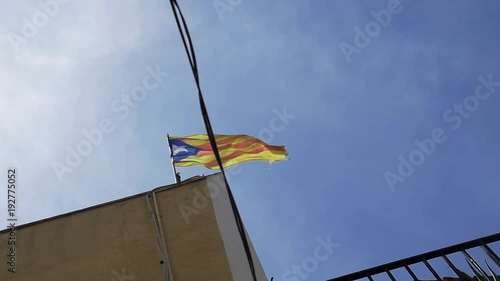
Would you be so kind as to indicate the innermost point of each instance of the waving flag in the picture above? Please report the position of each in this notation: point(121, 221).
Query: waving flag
point(233, 149)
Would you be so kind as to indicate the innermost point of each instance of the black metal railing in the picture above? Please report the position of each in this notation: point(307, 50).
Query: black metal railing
point(423, 260)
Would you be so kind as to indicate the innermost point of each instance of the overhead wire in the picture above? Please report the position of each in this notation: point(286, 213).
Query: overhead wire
point(189, 48)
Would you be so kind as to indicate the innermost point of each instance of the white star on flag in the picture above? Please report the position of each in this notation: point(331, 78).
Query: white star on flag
point(177, 149)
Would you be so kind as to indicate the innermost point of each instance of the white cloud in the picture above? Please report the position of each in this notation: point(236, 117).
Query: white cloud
point(40, 92)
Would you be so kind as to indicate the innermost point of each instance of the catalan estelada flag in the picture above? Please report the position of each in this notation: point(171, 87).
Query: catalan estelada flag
point(233, 149)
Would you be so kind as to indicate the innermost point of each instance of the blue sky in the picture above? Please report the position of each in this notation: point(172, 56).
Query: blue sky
point(352, 119)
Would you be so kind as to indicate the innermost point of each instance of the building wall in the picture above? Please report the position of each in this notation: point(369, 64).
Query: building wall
point(117, 241)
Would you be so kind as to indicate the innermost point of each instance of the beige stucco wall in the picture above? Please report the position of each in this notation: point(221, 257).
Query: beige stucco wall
point(116, 242)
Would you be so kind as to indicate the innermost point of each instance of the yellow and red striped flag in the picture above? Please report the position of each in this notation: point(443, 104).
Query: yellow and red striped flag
point(233, 149)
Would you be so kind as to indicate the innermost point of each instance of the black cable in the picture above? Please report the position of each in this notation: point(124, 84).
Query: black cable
point(194, 67)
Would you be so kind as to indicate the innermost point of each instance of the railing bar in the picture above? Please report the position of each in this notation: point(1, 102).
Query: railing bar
point(471, 259)
point(457, 272)
point(370, 277)
point(432, 270)
point(390, 275)
point(490, 253)
point(415, 278)
point(480, 242)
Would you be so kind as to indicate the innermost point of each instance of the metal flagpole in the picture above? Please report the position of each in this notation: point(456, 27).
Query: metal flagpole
point(177, 176)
